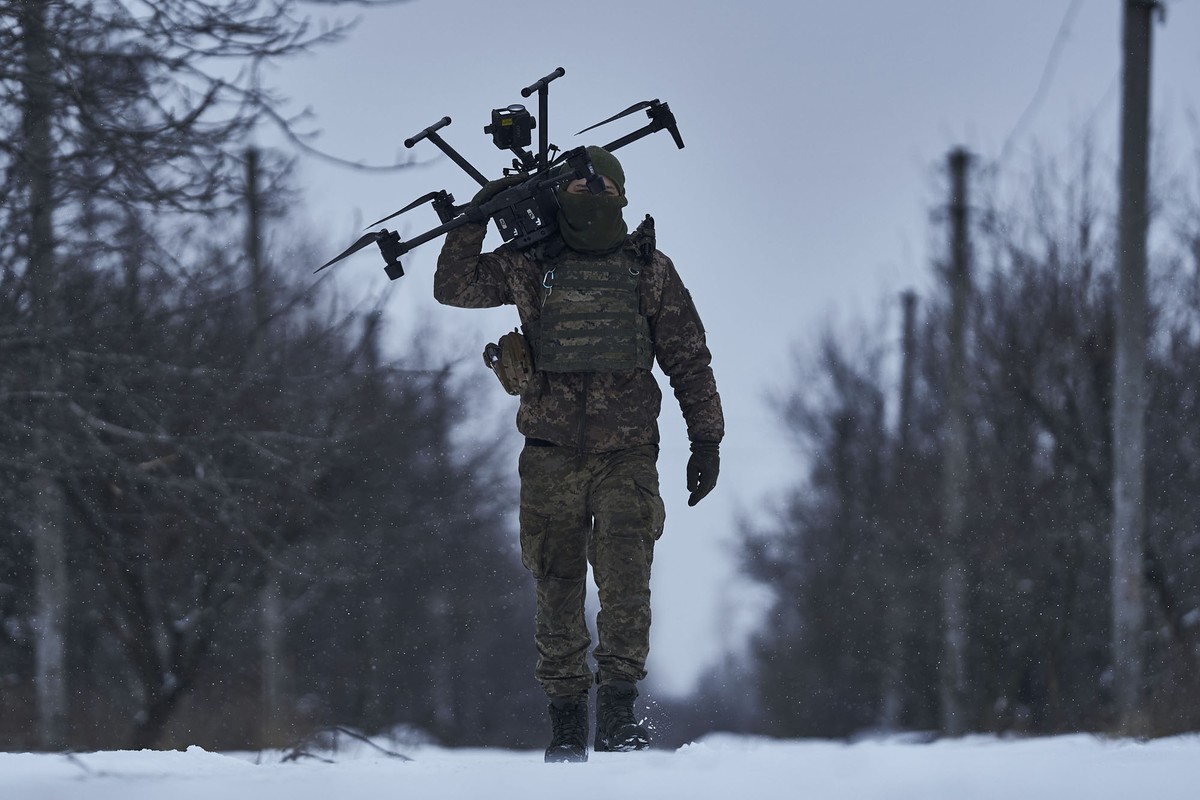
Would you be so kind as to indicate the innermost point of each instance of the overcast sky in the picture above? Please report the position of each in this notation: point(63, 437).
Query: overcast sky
point(815, 134)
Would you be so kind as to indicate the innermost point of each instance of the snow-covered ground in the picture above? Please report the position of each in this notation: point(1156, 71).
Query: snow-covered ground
point(718, 766)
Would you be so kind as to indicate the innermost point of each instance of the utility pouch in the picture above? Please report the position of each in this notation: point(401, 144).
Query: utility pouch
point(512, 361)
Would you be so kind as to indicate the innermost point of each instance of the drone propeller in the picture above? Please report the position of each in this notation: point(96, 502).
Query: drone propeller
point(419, 201)
point(365, 240)
point(625, 113)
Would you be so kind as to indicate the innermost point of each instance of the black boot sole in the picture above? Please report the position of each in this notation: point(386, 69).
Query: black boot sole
point(626, 745)
point(566, 755)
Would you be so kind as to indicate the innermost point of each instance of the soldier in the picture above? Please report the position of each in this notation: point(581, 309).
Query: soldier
point(597, 307)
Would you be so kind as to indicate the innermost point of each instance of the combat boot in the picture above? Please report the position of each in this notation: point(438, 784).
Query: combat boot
point(569, 724)
point(617, 729)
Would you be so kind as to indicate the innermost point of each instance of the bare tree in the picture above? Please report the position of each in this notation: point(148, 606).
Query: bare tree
point(112, 110)
point(1038, 401)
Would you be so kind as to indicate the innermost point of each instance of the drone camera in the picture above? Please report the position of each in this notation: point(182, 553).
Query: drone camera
point(511, 127)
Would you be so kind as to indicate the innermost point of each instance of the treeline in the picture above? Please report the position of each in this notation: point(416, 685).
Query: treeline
point(227, 517)
point(857, 556)
point(264, 530)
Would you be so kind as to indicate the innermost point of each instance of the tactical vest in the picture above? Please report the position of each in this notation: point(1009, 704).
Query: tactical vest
point(590, 320)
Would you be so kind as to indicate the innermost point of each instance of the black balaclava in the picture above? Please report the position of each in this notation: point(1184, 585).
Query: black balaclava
point(592, 223)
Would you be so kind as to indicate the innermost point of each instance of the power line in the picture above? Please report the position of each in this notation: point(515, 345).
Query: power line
point(1056, 48)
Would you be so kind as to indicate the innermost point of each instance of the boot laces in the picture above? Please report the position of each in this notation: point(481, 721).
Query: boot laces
point(568, 722)
point(618, 710)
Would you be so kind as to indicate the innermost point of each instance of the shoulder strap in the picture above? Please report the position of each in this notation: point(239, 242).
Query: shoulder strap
point(642, 242)
point(551, 249)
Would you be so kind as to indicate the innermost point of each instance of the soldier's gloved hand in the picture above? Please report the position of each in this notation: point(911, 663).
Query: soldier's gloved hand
point(490, 190)
point(702, 469)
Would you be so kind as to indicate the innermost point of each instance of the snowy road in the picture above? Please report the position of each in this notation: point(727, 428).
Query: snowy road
point(1063, 768)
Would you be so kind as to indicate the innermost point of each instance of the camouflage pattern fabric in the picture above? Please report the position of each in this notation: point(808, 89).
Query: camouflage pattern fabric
point(593, 411)
point(590, 320)
point(592, 494)
point(598, 508)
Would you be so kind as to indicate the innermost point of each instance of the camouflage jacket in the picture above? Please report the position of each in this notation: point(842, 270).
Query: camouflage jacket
point(601, 411)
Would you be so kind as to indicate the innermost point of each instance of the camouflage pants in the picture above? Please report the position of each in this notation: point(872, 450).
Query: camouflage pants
point(602, 508)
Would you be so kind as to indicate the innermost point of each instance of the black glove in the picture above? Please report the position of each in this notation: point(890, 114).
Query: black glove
point(702, 469)
point(493, 188)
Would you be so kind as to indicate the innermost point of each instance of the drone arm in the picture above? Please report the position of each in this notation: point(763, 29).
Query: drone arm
point(411, 141)
point(431, 134)
point(539, 85)
point(661, 118)
point(458, 159)
point(628, 138)
point(473, 215)
point(542, 87)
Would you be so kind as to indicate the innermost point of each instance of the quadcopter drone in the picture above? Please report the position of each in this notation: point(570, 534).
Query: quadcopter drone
point(525, 213)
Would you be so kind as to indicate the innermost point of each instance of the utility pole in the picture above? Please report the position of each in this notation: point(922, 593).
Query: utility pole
point(908, 345)
point(1129, 379)
point(258, 273)
point(46, 510)
point(955, 463)
point(898, 544)
point(272, 615)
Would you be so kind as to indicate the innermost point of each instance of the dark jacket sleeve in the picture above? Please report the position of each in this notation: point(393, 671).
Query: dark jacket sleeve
point(683, 355)
point(467, 277)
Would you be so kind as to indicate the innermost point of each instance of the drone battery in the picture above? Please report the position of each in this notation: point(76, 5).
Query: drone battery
point(527, 221)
